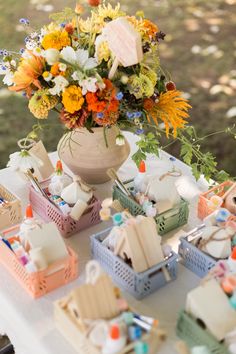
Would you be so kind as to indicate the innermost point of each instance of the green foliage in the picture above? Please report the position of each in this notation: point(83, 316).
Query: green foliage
point(64, 16)
point(148, 144)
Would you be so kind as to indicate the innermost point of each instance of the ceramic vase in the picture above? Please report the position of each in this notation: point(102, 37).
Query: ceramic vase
point(88, 155)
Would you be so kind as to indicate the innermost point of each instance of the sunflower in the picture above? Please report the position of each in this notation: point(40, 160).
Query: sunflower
point(27, 73)
point(171, 108)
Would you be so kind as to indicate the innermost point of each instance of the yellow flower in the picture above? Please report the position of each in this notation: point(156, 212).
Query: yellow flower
point(103, 52)
point(72, 99)
point(140, 86)
point(107, 12)
point(41, 103)
point(99, 17)
point(172, 109)
point(145, 70)
point(145, 27)
point(56, 40)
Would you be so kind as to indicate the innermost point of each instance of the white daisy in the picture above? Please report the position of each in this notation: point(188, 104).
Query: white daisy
point(60, 84)
point(79, 57)
point(88, 85)
point(23, 160)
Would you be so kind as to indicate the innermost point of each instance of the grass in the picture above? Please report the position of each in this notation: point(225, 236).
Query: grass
point(199, 51)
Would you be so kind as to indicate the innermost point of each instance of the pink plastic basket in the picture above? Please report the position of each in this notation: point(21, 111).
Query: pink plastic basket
point(42, 282)
point(203, 202)
point(66, 225)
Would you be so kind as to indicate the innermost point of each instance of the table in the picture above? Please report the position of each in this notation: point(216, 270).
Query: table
point(29, 323)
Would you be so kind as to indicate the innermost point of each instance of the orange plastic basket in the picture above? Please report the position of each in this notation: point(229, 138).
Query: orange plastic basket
point(203, 202)
point(42, 282)
point(11, 213)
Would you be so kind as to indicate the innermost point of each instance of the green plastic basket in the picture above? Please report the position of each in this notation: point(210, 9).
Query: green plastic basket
point(166, 221)
point(193, 334)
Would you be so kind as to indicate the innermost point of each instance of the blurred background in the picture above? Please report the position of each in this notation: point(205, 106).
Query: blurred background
point(199, 51)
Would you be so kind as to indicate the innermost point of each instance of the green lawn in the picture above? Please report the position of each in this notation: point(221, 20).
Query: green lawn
point(199, 51)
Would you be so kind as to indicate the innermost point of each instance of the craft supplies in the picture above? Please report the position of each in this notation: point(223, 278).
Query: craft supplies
point(90, 318)
point(121, 268)
point(218, 315)
point(215, 198)
point(77, 190)
point(61, 204)
point(115, 341)
point(59, 180)
point(232, 260)
point(37, 273)
point(113, 175)
point(29, 223)
point(166, 221)
point(78, 209)
point(138, 180)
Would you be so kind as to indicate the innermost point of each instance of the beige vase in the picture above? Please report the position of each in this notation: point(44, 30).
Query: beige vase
point(87, 155)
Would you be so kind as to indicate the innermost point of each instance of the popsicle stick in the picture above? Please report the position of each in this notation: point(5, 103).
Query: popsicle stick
point(113, 68)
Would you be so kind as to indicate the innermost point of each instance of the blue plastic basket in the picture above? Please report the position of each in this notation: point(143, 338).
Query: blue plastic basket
point(192, 257)
point(137, 284)
point(166, 221)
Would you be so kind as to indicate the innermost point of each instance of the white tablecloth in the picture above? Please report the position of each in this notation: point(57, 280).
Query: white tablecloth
point(29, 323)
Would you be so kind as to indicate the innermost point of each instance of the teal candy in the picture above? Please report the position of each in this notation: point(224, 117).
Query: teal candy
point(128, 318)
point(117, 219)
point(141, 348)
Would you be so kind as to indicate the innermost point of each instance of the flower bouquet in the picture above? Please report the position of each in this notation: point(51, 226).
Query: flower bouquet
point(102, 74)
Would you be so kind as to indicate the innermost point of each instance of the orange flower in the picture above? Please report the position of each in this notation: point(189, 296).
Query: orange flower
point(172, 109)
point(150, 28)
point(105, 102)
point(55, 71)
point(145, 27)
point(56, 40)
point(27, 74)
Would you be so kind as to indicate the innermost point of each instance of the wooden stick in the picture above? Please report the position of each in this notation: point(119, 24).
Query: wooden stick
point(229, 191)
point(113, 68)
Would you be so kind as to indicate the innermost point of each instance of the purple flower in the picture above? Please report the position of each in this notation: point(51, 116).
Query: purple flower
point(22, 50)
point(139, 131)
point(5, 52)
point(130, 115)
point(24, 21)
point(137, 114)
point(63, 24)
point(27, 39)
point(1, 51)
point(119, 96)
point(3, 67)
point(100, 115)
point(173, 159)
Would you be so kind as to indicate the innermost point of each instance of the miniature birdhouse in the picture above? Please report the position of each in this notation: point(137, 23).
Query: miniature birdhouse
point(161, 186)
point(209, 304)
point(217, 241)
point(140, 245)
point(96, 299)
point(124, 42)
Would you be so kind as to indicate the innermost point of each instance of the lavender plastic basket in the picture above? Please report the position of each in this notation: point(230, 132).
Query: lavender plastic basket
point(137, 284)
point(192, 257)
point(67, 226)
